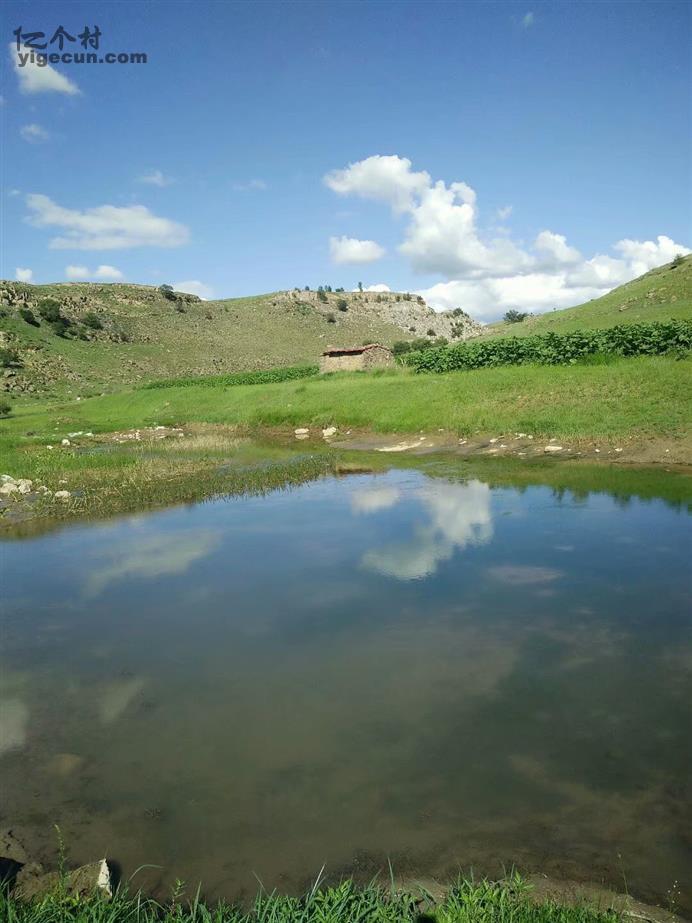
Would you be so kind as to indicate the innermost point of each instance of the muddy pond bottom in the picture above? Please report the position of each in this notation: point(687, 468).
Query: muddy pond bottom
point(411, 667)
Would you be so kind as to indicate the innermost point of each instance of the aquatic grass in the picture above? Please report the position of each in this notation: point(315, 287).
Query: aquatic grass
point(465, 902)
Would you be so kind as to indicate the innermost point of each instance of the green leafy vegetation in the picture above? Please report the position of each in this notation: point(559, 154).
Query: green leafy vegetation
point(261, 377)
point(514, 317)
point(5, 407)
point(92, 320)
point(558, 349)
point(8, 357)
point(346, 902)
point(28, 315)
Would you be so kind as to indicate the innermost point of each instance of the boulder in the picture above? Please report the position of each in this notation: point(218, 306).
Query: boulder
point(24, 485)
point(62, 495)
point(7, 489)
point(7, 479)
point(85, 881)
point(329, 431)
point(553, 448)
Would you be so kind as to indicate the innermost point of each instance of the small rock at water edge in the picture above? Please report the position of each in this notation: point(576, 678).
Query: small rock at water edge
point(329, 431)
point(62, 495)
point(553, 448)
point(65, 442)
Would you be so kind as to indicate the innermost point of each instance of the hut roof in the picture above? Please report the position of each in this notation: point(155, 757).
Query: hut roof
point(351, 350)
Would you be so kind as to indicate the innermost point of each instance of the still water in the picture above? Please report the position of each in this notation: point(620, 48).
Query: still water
point(405, 666)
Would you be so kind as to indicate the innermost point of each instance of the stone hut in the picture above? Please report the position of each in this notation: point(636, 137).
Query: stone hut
point(355, 358)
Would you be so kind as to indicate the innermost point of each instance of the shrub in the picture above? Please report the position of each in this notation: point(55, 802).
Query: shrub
point(678, 260)
point(331, 318)
point(8, 357)
point(430, 332)
point(49, 309)
point(5, 407)
point(28, 315)
point(167, 292)
point(321, 295)
point(260, 377)
point(401, 347)
point(60, 326)
point(515, 317)
point(342, 304)
point(652, 339)
point(92, 320)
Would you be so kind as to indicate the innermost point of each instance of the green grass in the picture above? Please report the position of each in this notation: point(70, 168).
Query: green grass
point(628, 398)
point(663, 294)
point(466, 902)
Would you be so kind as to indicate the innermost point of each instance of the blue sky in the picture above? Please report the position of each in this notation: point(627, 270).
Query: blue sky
point(503, 154)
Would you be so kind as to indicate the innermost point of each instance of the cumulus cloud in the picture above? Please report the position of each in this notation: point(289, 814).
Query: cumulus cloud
point(101, 272)
point(23, 275)
point(457, 516)
point(34, 133)
point(106, 227)
point(482, 274)
point(195, 287)
point(155, 178)
point(352, 250)
point(383, 178)
point(379, 287)
point(34, 78)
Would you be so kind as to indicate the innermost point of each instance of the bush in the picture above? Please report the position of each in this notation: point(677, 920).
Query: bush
point(8, 357)
point(342, 304)
point(678, 260)
point(28, 315)
point(167, 292)
point(92, 320)
point(331, 318)
point(401, 347)
point(515, 317)
point(321, 296)
point(652, 339)
point(60, 326)
point(49, 309)
point(5, 407)
point(260, 377)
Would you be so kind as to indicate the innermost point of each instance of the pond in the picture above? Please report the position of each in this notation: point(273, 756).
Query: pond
point(420, 665)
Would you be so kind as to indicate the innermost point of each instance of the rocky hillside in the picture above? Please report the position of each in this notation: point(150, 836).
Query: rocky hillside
point(85, 338)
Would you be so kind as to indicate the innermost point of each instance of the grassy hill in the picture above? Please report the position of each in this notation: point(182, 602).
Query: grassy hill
point(140, 334)
point(662, 294)
point(119, 336)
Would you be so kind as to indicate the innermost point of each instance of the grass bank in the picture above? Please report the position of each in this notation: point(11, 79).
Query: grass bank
point(465, 902)
point(642, 397)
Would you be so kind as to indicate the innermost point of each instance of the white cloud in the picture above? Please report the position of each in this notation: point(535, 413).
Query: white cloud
point(383, 178)
point(504, 213)
point(195, 287)
point(23, 275)
point(101, 272)
point(528, 20)
point(34, 133)
point(77, 272)
point(107, 227)
point(379, 287)
point(155, 178)
point(373, 499)
point(104, 271)
point(36, 78)
point(253, 184)
point(352, 250)
point(556, 247)
point(486, 276)
point(459, 515)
